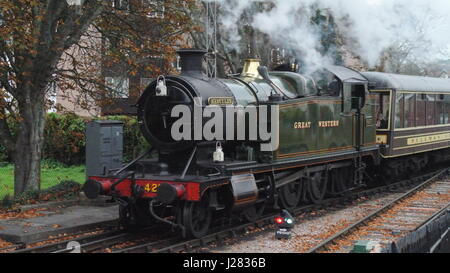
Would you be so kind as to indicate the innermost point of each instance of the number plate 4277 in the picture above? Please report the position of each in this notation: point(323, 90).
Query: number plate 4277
point(151, 187)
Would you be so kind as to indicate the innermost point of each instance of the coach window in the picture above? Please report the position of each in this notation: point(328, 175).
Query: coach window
point(382, 109)
point(440, 109)
point(420, 110)
point(430, 103)
point(400, 111)
point(447, 109)
point(410, 110)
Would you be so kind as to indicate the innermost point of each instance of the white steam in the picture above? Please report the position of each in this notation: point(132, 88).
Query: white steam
point(368, 26)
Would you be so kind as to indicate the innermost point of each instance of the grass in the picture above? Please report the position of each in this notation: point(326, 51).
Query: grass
point(49, 177)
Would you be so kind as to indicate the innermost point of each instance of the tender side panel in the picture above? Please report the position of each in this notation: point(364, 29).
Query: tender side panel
point(314, 126)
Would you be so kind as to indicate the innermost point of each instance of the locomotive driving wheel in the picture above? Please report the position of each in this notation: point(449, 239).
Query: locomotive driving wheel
point(291, 194)
point(317, 186)
point(196, 218)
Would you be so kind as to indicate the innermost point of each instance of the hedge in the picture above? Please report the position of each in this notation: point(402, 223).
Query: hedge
point(65, 138)
point(62, 191)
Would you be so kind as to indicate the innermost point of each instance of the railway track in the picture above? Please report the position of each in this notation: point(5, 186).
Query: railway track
point(64, 246)
point(180, 245)
point(10, 248)
point(117, 241)
point(404, 214)
point(95, 243)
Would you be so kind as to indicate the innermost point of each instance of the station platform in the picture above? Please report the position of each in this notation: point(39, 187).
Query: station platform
point(56, 220)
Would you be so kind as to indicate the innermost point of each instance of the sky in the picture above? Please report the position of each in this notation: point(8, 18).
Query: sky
point(374, 26)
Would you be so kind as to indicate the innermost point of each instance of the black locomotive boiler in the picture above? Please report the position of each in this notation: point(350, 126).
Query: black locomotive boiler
point(325, 141)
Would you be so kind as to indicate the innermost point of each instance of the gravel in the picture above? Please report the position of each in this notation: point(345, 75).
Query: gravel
point(310, 229)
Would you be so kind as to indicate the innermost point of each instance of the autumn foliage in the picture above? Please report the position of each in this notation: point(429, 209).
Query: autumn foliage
point(49, 44)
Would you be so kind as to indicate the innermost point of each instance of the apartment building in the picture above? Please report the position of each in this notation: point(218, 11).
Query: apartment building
point(126, 87)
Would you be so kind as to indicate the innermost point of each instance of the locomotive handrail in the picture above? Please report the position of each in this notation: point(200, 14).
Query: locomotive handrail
point(248, 86)
point(262, 70)
point(121, 179)
point(186, 168)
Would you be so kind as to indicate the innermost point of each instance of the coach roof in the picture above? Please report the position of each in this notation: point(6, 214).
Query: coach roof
point(380, 80)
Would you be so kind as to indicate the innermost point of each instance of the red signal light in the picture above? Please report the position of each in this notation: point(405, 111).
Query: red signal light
point(279, 220)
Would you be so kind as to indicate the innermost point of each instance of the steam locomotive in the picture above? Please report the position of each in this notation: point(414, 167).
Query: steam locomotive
point(214, 157)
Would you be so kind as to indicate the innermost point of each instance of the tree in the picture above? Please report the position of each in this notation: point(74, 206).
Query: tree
point(233, 46)
point(239, 38)
point(50, 41)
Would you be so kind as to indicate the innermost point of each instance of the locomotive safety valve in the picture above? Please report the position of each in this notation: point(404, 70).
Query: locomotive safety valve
point(169, 193)
point(285, 222)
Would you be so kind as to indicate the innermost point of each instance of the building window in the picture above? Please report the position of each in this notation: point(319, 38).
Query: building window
point(121, 4)
point(155, 8)
point(119, 86)
point(52, 96)
point(144, 83)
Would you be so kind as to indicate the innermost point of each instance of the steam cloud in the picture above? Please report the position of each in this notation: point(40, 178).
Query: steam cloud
point(368, 26)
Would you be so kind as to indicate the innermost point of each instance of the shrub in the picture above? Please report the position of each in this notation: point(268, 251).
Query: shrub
point(3, 155)
point(134, 142)
point(7, 202)
point(63, 190)
point(64, 139)
point(50, 163)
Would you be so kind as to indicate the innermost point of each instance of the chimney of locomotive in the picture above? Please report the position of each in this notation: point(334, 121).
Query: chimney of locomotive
point(192, 61)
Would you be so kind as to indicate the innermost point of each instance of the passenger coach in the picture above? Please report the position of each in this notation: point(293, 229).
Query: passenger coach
point(412, 115)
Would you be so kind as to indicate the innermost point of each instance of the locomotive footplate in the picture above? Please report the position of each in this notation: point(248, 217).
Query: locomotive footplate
point(240, 167)
point(191, 188)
